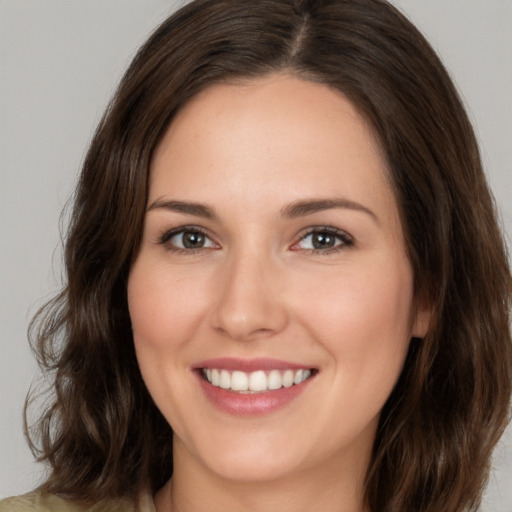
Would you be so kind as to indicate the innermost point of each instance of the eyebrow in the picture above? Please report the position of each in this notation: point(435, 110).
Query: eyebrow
point(303, 208)
point(291, 211)
point(197, 209)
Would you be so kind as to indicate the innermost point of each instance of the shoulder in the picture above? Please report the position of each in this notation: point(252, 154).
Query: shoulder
point(37, 502)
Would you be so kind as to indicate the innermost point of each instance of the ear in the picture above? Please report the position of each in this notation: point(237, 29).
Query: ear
point(422, 319)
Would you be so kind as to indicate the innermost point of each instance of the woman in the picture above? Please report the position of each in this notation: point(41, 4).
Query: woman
point(274, 298)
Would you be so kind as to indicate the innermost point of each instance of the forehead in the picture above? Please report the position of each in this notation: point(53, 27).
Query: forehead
point(271, 100)
point(277, 130)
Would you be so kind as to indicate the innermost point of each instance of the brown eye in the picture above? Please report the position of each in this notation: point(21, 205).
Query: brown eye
point(323, 240)
point(187, 239)
point(192, 239)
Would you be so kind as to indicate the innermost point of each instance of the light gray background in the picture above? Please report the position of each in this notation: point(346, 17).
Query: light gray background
point(59, 62)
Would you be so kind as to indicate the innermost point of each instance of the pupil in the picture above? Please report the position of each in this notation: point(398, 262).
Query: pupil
point(193, 240)
point(323, 240)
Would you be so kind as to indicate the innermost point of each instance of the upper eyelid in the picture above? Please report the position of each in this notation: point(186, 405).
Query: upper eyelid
point(329, 229)
point(169, 233)
point(342, 234)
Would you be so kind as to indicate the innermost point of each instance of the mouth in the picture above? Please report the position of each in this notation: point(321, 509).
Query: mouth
point(252, 387)
point(255, 382)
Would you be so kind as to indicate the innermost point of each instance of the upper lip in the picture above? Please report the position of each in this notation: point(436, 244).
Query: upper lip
point(249, 365)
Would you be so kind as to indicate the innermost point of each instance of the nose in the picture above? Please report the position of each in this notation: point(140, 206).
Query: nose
point(250, 301)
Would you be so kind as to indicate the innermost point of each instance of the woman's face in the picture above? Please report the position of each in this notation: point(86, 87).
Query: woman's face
point(272, 252)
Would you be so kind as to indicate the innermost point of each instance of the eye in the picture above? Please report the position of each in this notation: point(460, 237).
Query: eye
point(187, 239)
point(323, 239)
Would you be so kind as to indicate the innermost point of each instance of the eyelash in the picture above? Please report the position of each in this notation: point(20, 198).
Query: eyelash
point(345, 238)
point(168, 235)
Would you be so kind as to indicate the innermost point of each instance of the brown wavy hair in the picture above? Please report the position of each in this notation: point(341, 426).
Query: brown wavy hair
point(101, 433)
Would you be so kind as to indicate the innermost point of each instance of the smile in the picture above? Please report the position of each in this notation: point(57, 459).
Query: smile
point(259, 381)
point(252, 387)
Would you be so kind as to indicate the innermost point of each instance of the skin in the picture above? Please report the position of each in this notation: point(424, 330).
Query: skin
point(247, 151)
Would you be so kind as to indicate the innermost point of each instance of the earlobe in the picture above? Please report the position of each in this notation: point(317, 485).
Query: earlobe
point(422, 320)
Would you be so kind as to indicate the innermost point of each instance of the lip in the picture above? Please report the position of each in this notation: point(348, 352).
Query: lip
point(250, 405)
point(248, 365)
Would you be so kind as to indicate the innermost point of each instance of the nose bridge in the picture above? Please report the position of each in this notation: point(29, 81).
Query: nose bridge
point(249, 303)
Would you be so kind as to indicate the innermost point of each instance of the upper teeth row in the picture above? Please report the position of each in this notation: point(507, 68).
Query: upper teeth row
point(255, 381)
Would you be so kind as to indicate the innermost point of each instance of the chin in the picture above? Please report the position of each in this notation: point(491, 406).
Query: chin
point(251, 458)
point(255, 468)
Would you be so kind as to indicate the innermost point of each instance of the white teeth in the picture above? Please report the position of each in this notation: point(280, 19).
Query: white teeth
point(288, 378)
point(255, 382)
point(239, 381)
point(258, 381)
point(225, 379)
point(274, 380)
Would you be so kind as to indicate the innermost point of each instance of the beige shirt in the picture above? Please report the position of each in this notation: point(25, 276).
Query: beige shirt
point(36, 502)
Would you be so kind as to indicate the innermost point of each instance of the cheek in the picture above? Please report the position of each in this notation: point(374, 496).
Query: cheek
point(165, 307)
point(164, 313)
point(363, 319)
point(359, 300)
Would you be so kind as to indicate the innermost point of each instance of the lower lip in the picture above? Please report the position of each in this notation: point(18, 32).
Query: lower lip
point(251, 404)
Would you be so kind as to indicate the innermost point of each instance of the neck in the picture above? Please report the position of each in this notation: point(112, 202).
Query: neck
point(333, 487)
